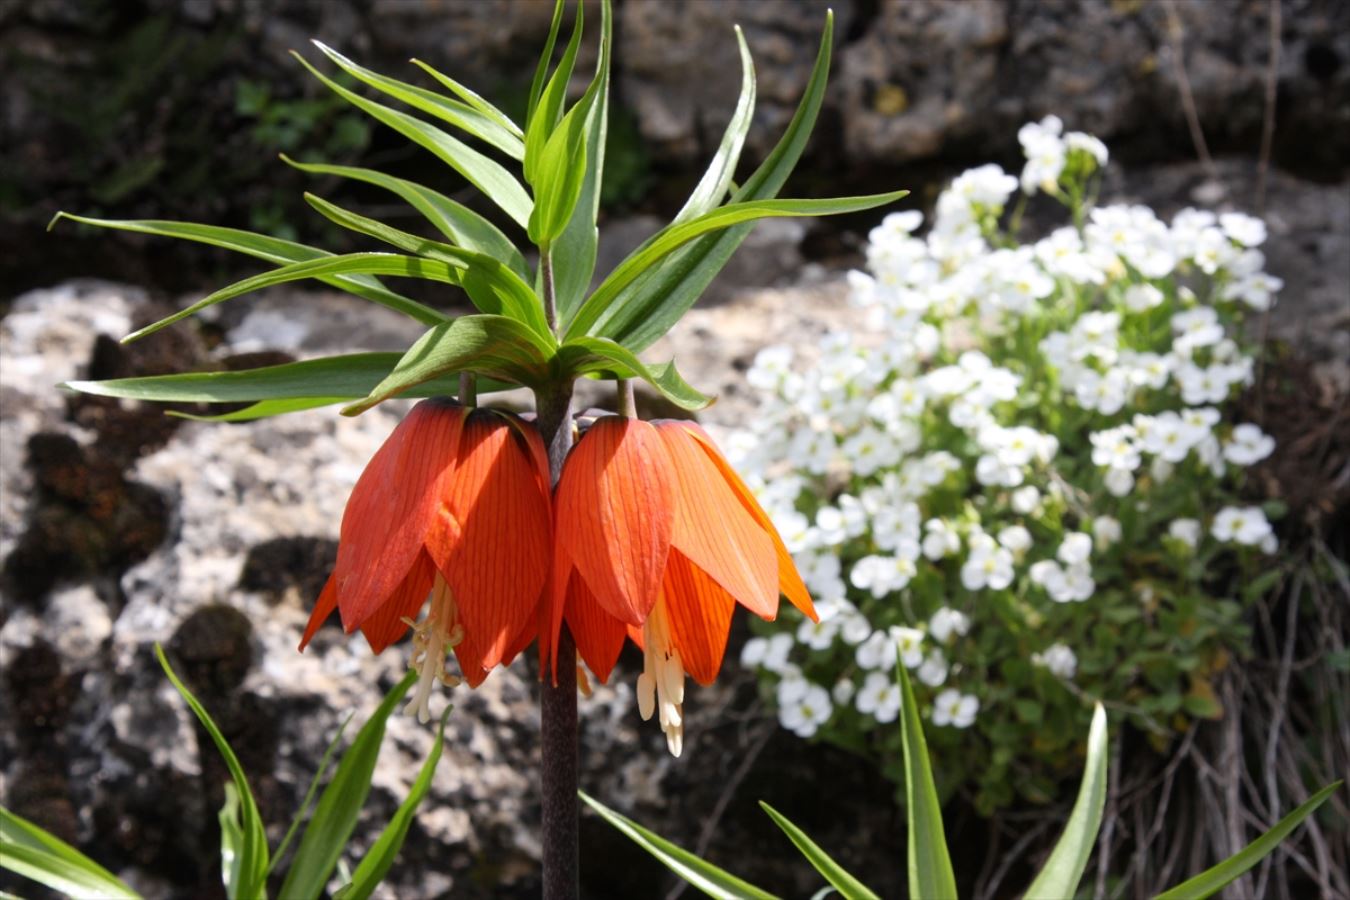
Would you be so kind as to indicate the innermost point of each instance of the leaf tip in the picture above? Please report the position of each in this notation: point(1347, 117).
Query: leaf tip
point(56, 218)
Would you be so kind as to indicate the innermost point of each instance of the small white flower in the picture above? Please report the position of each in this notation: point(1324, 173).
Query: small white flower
point(1075, 549)
point(1105, 530)
point(818, 635)
point(1244, 525)
point(1025, 500)
point(940, 539)
point(843, 691)
point(951, 707)
point(933, 671)
point(988, 566)
point(1248, 231)
point(879, 697)
point(877, 652)
point(1058, 659)
point(1015, 539)
point(1142, 297)
point(1185, 530)
point(807, 713)
point(908, 643)
point(947, 622)
point(1119, 482)
point(1248, 445)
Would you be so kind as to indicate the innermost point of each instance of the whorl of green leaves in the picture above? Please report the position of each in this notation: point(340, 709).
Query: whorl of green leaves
point(545, 178)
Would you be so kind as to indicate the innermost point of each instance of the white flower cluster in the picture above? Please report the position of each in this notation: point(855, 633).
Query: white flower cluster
point(1019, 390)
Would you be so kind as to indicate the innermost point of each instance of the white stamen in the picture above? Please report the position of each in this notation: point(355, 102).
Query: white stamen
point(661, 684)
point(434, 637)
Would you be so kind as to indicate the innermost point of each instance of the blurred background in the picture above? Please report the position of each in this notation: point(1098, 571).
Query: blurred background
point(122, 527)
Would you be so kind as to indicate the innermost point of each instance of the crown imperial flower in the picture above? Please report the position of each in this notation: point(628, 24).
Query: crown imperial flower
point(427, 518)
point(657, 541)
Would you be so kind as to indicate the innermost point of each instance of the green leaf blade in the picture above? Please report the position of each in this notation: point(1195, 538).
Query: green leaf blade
point(848, 886)
point(340, 804)
point(1213, 880)
point(586, 355)
point(716, 181)
point(32, 852)
point(547, 112)
point(930, 866)
point(1063, 869)
point(701, 874)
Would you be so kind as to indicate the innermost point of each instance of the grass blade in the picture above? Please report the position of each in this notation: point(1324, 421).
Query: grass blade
point(930, 867)
point(848, 886)
point(701, 874)
point(231, 843)
point(309, 795)
point(32, 852)
point(375, 865)
point(335, 817)
point(1214, 880)
point(713, 186)
point(252, 865)
point(1063, 870)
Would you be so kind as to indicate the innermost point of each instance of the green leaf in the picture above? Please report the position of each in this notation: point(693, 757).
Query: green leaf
point(491, 285)
point(545, 116)
point(848, 886)
point(930, 868)
point(360, 263)
point(461, 115)
point(263, 409)
point(252, 852)
point(1214, 880)
point(231, 843)
point(560, 173)
point(545, 58)
point(473, 99)
point(1061, 873)
point(375, 865)
point(479, 170)
point(703, 875)
point(713, 186)
point(35, 853)
point(587, 355)
point(347, 377)
point(575, 251)
point(486, 345)
point(461, 225)
point(260, 246)
point(658, 300)
point(309, 794)
point(597, 317)
point(340, 804)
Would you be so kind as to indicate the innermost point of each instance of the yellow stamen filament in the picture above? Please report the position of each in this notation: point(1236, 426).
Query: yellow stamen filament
point(433, 638)
point(661, 684)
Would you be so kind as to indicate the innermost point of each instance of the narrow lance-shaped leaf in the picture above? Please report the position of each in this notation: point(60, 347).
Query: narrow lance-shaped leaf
point(460, 225)
point(713, 186)
point(930, 868)
point(1211, 881)
point(340, 804)
point(346, 377)
point(35, 853)
point(259, 246)
point(486, 345)
point(377, 861)
point(701, 874)
point(545, 58)
point(482, 172)
point(461, 115)
point(674, 237)
point(560, 174)
point(472, 98)
point(358, 263)
point(252, 866)
point(492, 286)
point(231, 842)
point(313, 789)
point(587, 355)
point(575, 251)
point(650, 306)
point(546, 114)
point(1061, 873)
point(849, 887)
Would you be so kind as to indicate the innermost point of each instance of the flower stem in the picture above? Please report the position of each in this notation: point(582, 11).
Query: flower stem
point(558, 702)
point(627, 403)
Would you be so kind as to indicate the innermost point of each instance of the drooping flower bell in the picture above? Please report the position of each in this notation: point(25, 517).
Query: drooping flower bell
point(657, 539)
point(454, 506)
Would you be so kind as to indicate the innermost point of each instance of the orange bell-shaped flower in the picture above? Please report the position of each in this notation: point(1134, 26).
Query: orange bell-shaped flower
point(657, 539)
point(454, 505)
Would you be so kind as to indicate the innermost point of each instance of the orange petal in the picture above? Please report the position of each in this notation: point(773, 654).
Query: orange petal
point(323, 608)
point(386, 625)
point(599, 635)
point(614, 504)
point(714, 531)
point(493, 539)
point(789, 580)
point(392, 507)
point(700, 617)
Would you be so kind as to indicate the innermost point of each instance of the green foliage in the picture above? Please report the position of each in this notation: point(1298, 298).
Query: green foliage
point(561, 150)
point(930, 871)
point(34, 853)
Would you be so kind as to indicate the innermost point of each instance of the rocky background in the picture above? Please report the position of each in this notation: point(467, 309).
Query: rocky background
point(121, 527)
